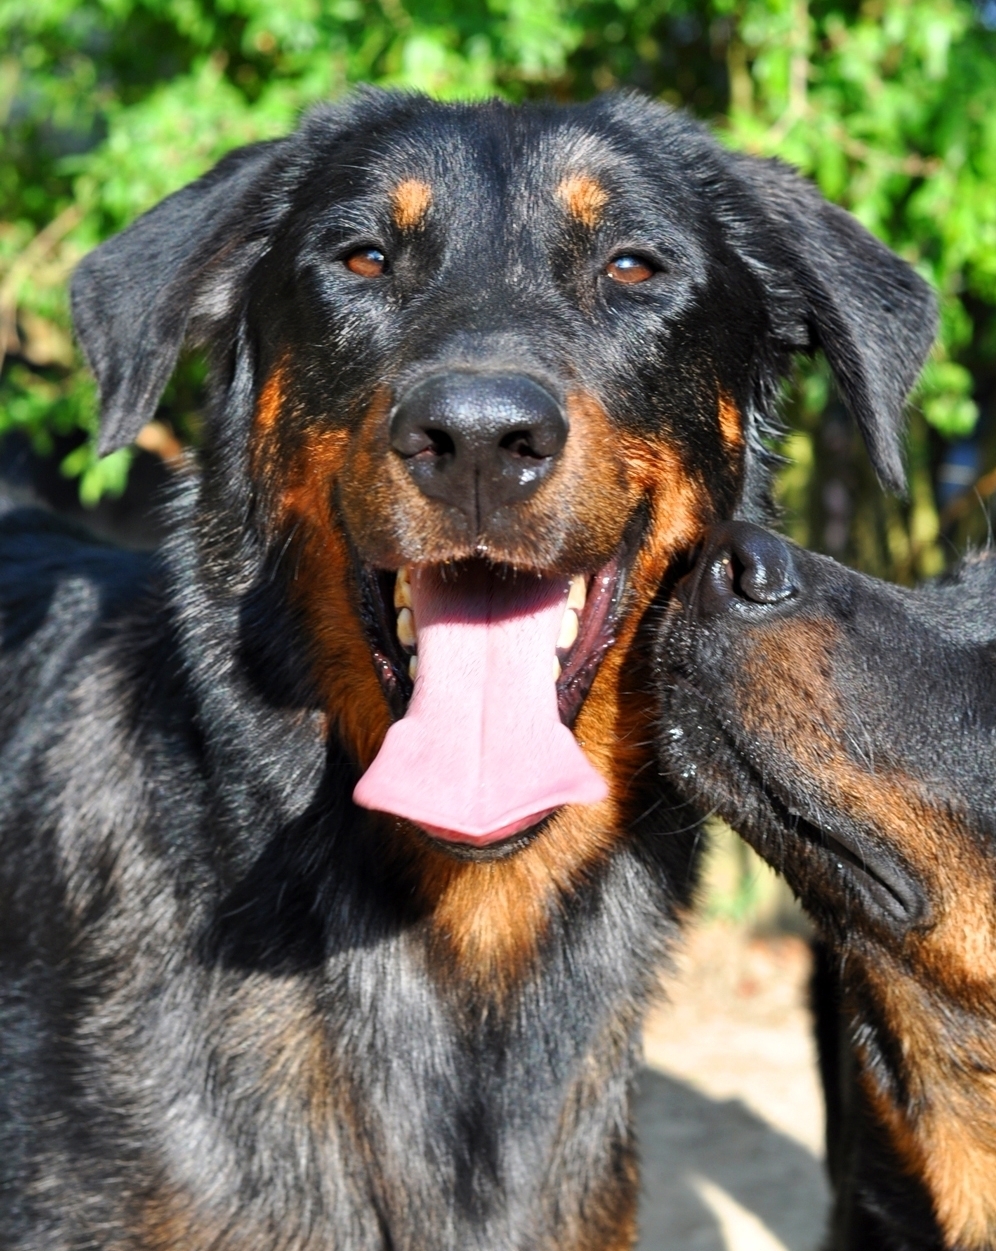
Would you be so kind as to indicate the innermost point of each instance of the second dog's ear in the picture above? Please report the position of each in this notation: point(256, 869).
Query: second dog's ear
point(176, 270)
point(832, 285)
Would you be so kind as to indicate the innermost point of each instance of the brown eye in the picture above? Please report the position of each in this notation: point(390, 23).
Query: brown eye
point(630, 269)
point(366, 262)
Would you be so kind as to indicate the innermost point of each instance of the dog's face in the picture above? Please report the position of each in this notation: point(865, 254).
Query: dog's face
point(500, 367)
point(488, 340)
point(844, 725)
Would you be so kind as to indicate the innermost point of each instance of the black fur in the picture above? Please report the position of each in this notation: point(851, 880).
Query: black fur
point(227, 1018)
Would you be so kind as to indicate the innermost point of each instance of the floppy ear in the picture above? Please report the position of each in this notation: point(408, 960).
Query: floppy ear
point(171, 275)
point(834, 286)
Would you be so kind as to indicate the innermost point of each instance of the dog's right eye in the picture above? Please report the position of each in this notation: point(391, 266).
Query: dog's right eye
point(630, 269)
point(366, 262)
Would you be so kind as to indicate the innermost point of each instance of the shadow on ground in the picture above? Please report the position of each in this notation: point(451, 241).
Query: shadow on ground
point(718, 1178)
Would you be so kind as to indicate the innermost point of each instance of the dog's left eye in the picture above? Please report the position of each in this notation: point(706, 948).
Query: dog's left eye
point(366, 262)
point(630, 269)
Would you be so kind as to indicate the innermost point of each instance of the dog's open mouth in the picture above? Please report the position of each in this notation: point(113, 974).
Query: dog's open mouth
point(494, 663)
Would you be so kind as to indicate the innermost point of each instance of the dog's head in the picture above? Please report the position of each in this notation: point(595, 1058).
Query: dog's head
point(500, 366)
point(844, 726)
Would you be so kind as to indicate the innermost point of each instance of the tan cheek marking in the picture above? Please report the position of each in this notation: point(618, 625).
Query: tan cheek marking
point(617, 720)
point(297, 483)
point(788, 696)
point(584, 198)
point(730, 424)
point(410, 201)
point(352, 692)
point(791, 700)
point(269, 405)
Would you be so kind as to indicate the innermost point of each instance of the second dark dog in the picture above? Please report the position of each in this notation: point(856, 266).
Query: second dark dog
point(846, 728)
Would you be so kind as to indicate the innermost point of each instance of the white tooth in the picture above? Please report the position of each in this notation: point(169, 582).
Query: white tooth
point(406, 628)
point(402, 589)
point(556, 669)
point(568, 631)
point(578, 592)
point(413, 668)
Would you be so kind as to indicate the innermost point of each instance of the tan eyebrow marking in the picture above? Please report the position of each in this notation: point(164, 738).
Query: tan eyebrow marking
point(584, 197)
point(411, 199)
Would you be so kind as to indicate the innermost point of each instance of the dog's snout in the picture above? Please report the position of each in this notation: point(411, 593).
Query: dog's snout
point(478, 441)
point(745, 567)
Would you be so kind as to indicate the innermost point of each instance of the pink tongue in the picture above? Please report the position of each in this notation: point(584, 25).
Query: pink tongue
point(481, 752)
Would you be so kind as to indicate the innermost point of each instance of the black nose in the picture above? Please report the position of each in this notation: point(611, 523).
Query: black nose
point(743, 567)
point(478, 441)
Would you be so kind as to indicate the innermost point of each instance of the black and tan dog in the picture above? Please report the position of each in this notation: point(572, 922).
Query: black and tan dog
point(848, 729)
point(481, 377)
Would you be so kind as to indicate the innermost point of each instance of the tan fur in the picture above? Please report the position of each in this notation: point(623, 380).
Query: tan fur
point(584, 197)
point(945, 1134)
point(574, 521)
point(410, 201)
point(299, 483)
point(731, 427)
point(608, 1221)
point(490, 915)
point(167, 1222)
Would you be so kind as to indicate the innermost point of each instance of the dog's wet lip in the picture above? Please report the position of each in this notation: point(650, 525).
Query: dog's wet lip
point(496, 849)
point(500, 849)
point(891, 888)
point(881, 879)
point(595, 635)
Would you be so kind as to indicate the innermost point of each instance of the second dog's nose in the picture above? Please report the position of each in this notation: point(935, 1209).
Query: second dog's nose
point(744, 567)
point(478, 441)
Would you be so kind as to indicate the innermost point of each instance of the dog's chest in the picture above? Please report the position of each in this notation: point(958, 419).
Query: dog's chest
point(363, 1105)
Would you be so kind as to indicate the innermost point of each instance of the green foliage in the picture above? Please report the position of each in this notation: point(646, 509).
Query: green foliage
point(737, 886)
point(890, 105)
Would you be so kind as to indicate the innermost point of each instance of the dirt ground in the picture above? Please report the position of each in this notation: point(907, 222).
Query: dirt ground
point(729, 1114)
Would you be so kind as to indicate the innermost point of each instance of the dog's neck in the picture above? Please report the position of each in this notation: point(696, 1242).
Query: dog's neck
point(925, 1046)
